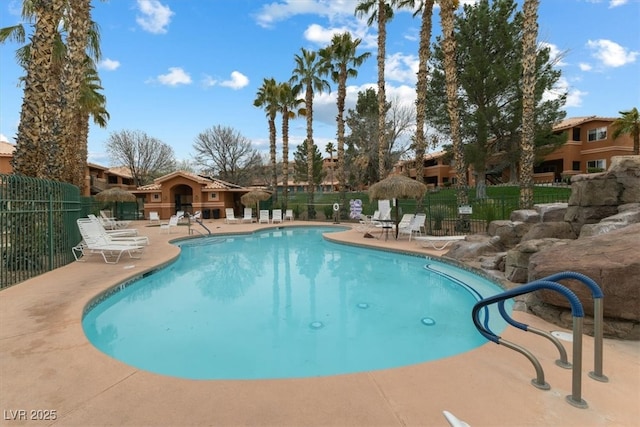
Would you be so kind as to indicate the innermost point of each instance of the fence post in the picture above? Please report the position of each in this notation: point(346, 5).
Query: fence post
point(50, 233)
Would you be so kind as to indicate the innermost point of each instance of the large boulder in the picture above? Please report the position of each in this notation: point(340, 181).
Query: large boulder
point(474, 246)
point(509, 233)
point(611, 259)
point(628, 214)
point(517, 259)
point(552, 211)
point(555, 229)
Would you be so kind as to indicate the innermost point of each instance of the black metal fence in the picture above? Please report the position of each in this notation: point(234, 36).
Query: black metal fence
point(37, 226)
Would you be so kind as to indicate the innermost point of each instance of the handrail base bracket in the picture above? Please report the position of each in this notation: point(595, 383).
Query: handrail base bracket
point(602, 378)
point(542, 386)
point(582, 404)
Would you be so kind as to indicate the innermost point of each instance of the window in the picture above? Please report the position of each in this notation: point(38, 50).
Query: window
point(213, 196)
point(575, 166)
point(595, 165)
point(156, 197)
point(597, 134)
point(576, 134)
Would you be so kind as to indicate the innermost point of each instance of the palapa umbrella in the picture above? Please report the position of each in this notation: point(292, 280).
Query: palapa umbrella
point(254, 196)
point(397, 187)
point(115, 195)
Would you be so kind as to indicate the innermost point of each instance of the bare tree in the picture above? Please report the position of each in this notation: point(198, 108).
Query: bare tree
point(145, 156)
point(226, 154)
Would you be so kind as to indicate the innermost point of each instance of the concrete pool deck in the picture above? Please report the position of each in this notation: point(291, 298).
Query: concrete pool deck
point(48, 365)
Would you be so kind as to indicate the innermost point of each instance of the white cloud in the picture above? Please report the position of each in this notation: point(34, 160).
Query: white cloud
point(175, 76)
point(321, 35)
point(237, 81)
point(585, 67)
point(610, 53)
point(574, 96)
point(3, 138)
point(155, 16)
point(616, 3)
point(282, 10)
point(401, 68)
point(109, 64)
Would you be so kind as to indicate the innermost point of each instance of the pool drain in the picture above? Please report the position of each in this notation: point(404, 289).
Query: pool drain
point(428, 321)
point(316, 325)
point(363, 305)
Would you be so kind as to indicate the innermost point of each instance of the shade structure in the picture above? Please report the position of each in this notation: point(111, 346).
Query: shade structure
point(115, 194)
point(254, 196)
point(397, 187)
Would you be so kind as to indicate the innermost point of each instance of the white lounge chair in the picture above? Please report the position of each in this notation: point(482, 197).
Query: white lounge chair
point(94, 242)
point(288, 215)
point(437, 242)
point(264, 216)
point(276, 216)
point(110, 223)
point(167, 226)
point(248, 215)
point(154, 218)
point(414, 227)
point(125, 235)
point(230, 216)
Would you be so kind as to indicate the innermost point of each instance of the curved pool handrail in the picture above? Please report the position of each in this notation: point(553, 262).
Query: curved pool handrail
point(563, 361)
point(577, 313)
point(598, 318)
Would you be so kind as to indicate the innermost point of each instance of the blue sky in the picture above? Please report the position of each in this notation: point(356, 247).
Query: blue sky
point(174, 68)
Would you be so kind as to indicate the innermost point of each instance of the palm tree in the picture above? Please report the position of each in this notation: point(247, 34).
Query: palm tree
point(343, 60)
point(426, 7)
point(77, 21)
point(288, 103)
point(447, 8)
point(267, 98)
point(308, 74)
point(628, 123)
point(36, 140)
point(330, 149)
point(527, 145)
point(380, 11)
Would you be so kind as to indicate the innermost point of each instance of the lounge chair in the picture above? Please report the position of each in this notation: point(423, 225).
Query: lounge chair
point(167, 226)
point(276, 216)
point(248, 215)
point(125, 235)
point(264, 216)
point(154, 218)
point(110, 223)
point(437, 242)
point(414, 227)
point(288, 215)
point(93, 242)
point(230, 216)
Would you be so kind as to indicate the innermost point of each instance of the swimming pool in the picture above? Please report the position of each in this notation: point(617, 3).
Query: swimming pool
point(283, 303)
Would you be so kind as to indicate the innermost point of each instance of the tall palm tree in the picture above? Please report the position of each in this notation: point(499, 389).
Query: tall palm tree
point(330, 149)
point(77, 22)
point(308, 73)
point(379, 11)
point(447, 8)
point(527, 145)
point(343, 60)
point(289, 105)
point(425, 7)
point(628, 123)
point(36, 141)
point(267, 98)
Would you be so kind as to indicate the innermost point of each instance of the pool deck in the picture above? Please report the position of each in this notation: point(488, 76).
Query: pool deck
point(47, 364)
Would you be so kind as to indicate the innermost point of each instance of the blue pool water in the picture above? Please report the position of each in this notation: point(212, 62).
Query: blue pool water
point(285, 303)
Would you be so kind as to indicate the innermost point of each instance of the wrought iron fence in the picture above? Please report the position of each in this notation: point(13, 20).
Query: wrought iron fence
point(37, 226)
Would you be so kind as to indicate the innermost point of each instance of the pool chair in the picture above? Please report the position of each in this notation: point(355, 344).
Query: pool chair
point(288, 215)
point(110, 223)
point(154, 218)
point(453, 420)
point(125, 235)
point(248, 215)
point(415, 226)
point(276, 216)
point(264, 216)
point(437, 242)
point(230, 216)
point(167, 226)
point(95, 242)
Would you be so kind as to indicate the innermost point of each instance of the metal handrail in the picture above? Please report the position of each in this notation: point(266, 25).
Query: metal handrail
point(577, 312)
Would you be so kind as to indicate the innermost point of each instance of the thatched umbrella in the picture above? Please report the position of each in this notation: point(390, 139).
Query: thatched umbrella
point(397, 187)
point(115, 195)
point(254, 196)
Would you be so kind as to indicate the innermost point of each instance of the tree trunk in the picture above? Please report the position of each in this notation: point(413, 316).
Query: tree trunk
point(382, 120)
